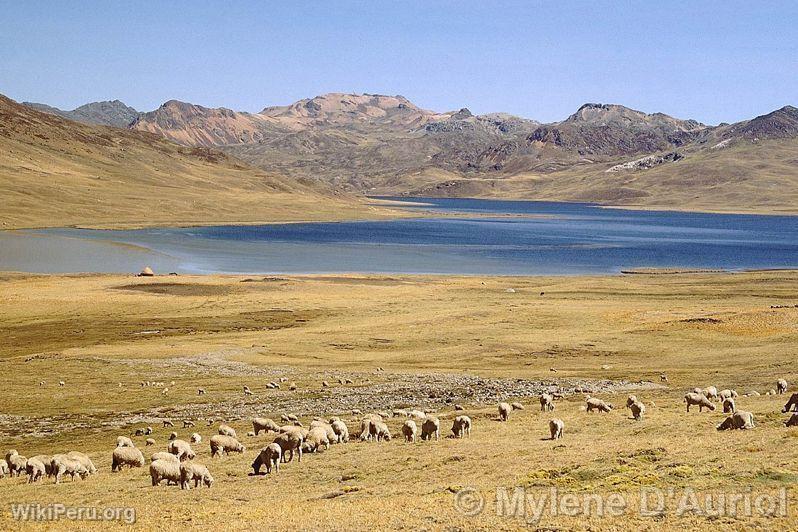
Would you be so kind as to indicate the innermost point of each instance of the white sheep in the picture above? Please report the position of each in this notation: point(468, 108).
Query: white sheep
point(728, 406)
point(332, 437)
point(431, 427)
point(195, 438)
point(546, 402)
point(84, 460)
point(781, 386)
point(638, 409)
point(517, 406)
point(222, 444)
point(126, 456)
point(4, 470)
point(711, 393)
point(187, 423)
point(631, 400)
point(247, 391)
point(341, 430)
point(418, 415)
point(264, 424)
point(410, 430)
point(382, 433)
point(168, 423)
point(124, 441)
point(290, 442)
point(193, 471)
point(35, 468)
point(172, 436)
point(226, 430)
point(556, 427)
point(163, 455)
point(200, 391)
point(727, 394)
point(504, 411)
point(597, 404)
point(182, 449)
point(739, 420)
point(161, 470)
point(316, 438)
point(149, 441)
point(269, 457)
point(701, 400)
point(62, 464)
point(61, 383)
point(16, 463)
point(461, 426)
point(367, 426)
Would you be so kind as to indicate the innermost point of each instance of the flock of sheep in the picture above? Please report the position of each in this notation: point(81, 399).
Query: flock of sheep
point(176, 465)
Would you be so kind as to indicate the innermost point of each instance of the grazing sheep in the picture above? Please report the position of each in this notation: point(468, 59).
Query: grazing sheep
point(126, 456)
point(332, 437)
point(697, 390)
point(461, 426)
point(367, 426)
point(226, 430)
point(222, 444)
point(458, 407)
point(546, 402)
point(61, 383)
point(292, 417)
point(84, 460)
point(382, 433)
point(172, 436)
point(431, 427)
point(701, 400)
point(247, 391)
point(727, 394)
point(357, 412)
point(195, 438)
point(4, 470)
point(555, 428)
point(292, 387)
point(16, 463)
point(739, 420)
point(139, 432)
point(35, 469)
point(631, 400)
point(193, 471)
point(597, 404)
point(410, 430)
point(728, 406)
point(264, 424)
point(792, 404)
point(781, 386)
point(341, 430)
point(181, 449)
point(504, 411)
point(711, 393)
point(124, 441)
point(163, 455)
point(62, 464)
point(384, 415)
point(349, 381)
point(325, 384)
point(149, 441)
point(200, 391)
point(638, 409)
point(270, 457)
point(168, 423)
point(290, 442)
point(418, 414)
point(517, 406)
point(187, 424)
point(315, 439)
point(792, 422)
point(663, 377)
point(161, 470)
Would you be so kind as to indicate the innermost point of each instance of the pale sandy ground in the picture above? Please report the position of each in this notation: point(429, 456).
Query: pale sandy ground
point(224, 332)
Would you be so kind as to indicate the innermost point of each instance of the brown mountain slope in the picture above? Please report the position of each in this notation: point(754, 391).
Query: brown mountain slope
point(55, 172)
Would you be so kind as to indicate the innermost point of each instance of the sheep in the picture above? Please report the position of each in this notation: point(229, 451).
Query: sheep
point(4, 470)
point(165, 470)
point(728, 406)
point(597, 404)
point(226, 430)
point(367, 428)
point(163, 455)
point(341, 430)
point(461, 426)
point(290, 442)
point(149, 441)
point(292, 417)
point(384, 415)
point(410, 430)
point(792, 404)
point(631, 400)
point(139, 432)
point(222, 444)
point(697, 390)
point(16, 463)
point(315, 439)
point(739, 420)
point(663, 377)
point(332, 437)
point(172, 436)
point(504, 411)
point(431, 427)
point(711, 393)
point(517, 406)
point(792, 422)
point(418, 414)
point(168, 423)
point(193, 471)
point(638, 409)
point(382, 433)
point(195, 438)
point(357, 412)
point(727, 394)
point(35, 468)
point(187, 424)
point(247, 391)
point(458, 407)
point(555, 428)
point(200, 391)
point(84, 460)
point(148, 431)
point(325, 384)
point(546, 402)
point(264, 424)
point(269, 457)
point(124, 441)
point(181, 449)
point(61, 383)
point(126, 456)
point(781, 386)
point(698, 399)
point(62, 464)
point(47, 461)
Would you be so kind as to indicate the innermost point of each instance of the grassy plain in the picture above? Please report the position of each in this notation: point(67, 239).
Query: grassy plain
point(390, 335)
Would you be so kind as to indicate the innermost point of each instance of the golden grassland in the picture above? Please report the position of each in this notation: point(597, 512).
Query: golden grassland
point(224, 332)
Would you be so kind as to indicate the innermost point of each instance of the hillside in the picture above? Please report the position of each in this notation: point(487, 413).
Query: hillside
point(56, 172)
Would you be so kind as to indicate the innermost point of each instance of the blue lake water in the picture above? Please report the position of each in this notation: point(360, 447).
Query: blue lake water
point(493, 237)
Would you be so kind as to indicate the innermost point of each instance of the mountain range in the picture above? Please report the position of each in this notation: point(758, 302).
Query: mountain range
point(386, 145)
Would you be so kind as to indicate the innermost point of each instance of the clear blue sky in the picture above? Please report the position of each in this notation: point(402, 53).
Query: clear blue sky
point(709, 60)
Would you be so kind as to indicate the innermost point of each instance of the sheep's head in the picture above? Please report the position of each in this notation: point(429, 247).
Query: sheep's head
point(208, 480)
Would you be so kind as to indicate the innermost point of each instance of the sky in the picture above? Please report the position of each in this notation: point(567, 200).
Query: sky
point(714, 61)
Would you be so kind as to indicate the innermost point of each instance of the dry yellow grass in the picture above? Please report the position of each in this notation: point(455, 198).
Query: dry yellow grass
point(220, 332)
